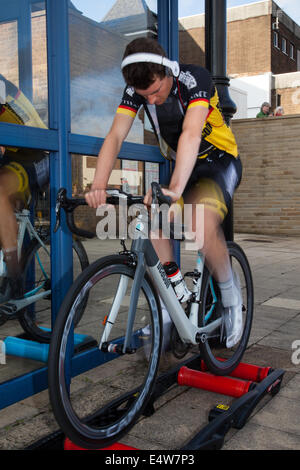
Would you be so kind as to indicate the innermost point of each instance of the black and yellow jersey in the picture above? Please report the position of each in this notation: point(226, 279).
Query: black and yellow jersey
point(194, 87)
point(19, 110)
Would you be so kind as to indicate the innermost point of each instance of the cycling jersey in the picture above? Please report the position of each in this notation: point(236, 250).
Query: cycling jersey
point(30, 166)
point(18, 110)
point(193, 87)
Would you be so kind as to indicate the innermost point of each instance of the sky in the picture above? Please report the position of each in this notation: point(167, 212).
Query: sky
point(97, 9)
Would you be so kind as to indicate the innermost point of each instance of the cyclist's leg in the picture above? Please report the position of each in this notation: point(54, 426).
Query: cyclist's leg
point(8, 228)
point(214, 189)
point(13, 183)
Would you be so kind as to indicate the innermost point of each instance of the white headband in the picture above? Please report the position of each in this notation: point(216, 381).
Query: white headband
point(155, 58)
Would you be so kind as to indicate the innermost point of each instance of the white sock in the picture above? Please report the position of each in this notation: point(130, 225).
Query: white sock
point(229, 293)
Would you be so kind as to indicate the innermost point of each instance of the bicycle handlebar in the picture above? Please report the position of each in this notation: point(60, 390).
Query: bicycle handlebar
point(69, 205)
point(114, 196)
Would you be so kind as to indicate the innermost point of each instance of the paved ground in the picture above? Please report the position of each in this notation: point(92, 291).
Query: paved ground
point(274, 424)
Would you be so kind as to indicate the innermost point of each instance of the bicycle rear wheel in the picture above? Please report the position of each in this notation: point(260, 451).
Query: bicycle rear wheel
point(219, 359)
point(98, 395)
point(36, 318)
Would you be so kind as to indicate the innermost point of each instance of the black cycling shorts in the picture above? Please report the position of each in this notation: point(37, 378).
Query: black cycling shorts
point(213, 181)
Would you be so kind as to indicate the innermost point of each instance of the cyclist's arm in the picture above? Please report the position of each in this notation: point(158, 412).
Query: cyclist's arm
point(187, 149)
point(107, 157)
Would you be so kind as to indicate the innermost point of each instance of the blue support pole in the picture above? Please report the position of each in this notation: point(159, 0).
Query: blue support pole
point(174, 41)
point(163, 13)
point(60, 161)
point(25, 49)
point(168, 38)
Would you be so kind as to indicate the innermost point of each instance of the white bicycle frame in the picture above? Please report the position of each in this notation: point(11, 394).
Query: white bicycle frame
point(24, 224)
point(187, 328)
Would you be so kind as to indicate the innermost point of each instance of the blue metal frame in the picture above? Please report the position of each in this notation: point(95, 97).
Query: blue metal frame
point(168, 38)
point(61, 143)
point(168, 27)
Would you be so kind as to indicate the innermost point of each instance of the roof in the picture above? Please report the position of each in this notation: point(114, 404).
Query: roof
point(122, 9)
point(121, 20)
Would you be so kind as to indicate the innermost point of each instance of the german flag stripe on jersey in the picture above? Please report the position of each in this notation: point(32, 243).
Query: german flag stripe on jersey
point(127, 110)
point(199, 102)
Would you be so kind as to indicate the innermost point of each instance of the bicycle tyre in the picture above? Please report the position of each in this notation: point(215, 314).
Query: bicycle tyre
point(218, 359)
point(114, 415)
point(33, 322)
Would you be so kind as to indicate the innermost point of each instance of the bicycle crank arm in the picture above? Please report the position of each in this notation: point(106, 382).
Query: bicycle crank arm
point(13, 306)
point(205, 331)
point(117, 348)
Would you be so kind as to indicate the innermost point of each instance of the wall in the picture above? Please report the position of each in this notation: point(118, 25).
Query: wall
point(248, 44)
point(249, 50)
point(268, 199)
point(287, 86)
point(281, 60)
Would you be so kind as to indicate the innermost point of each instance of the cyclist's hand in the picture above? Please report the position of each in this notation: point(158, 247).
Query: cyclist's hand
point(174, 196)
point(96, 197)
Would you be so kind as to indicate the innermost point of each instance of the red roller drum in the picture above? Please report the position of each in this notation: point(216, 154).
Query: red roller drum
point(245, 371)
point(69, 445)
point(213, 383)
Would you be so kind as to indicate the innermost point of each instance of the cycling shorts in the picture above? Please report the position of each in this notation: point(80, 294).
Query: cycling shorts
point(31, 177)
point(213, 181)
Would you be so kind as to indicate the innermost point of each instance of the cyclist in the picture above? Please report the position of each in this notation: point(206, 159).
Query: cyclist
point(21, 171)
point(184, 110)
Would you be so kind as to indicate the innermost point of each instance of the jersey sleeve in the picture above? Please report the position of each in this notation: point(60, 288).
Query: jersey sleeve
point(199, 88)
point(130, 102)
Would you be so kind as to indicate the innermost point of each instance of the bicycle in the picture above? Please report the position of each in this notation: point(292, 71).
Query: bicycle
point(33, 311)
point(123, 316)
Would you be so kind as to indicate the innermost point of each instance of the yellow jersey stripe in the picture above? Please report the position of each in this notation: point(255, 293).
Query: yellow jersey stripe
point(126, 110)
point(199, 102)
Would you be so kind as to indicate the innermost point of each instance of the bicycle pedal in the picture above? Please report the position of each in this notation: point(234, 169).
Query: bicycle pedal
point(8, 309)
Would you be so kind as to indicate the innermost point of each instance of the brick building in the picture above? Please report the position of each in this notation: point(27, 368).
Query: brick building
point(263, 48)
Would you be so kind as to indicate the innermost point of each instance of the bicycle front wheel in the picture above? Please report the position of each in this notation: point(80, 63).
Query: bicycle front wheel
point(219, 359)
point(36, 266)
point(98, 391)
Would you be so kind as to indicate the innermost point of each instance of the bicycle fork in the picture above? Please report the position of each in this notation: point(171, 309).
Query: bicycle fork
point(119, 296)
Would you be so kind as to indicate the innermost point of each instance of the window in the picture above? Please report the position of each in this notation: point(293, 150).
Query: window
point(23, 61)
point(283, 46)
point(98, 37)
point(278, 100)
point(292, 51)
point(99, 33)
point(275, 39)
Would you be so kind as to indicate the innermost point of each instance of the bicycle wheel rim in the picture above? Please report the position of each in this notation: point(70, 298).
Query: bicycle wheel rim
point(117, 401)
point(219, 359)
